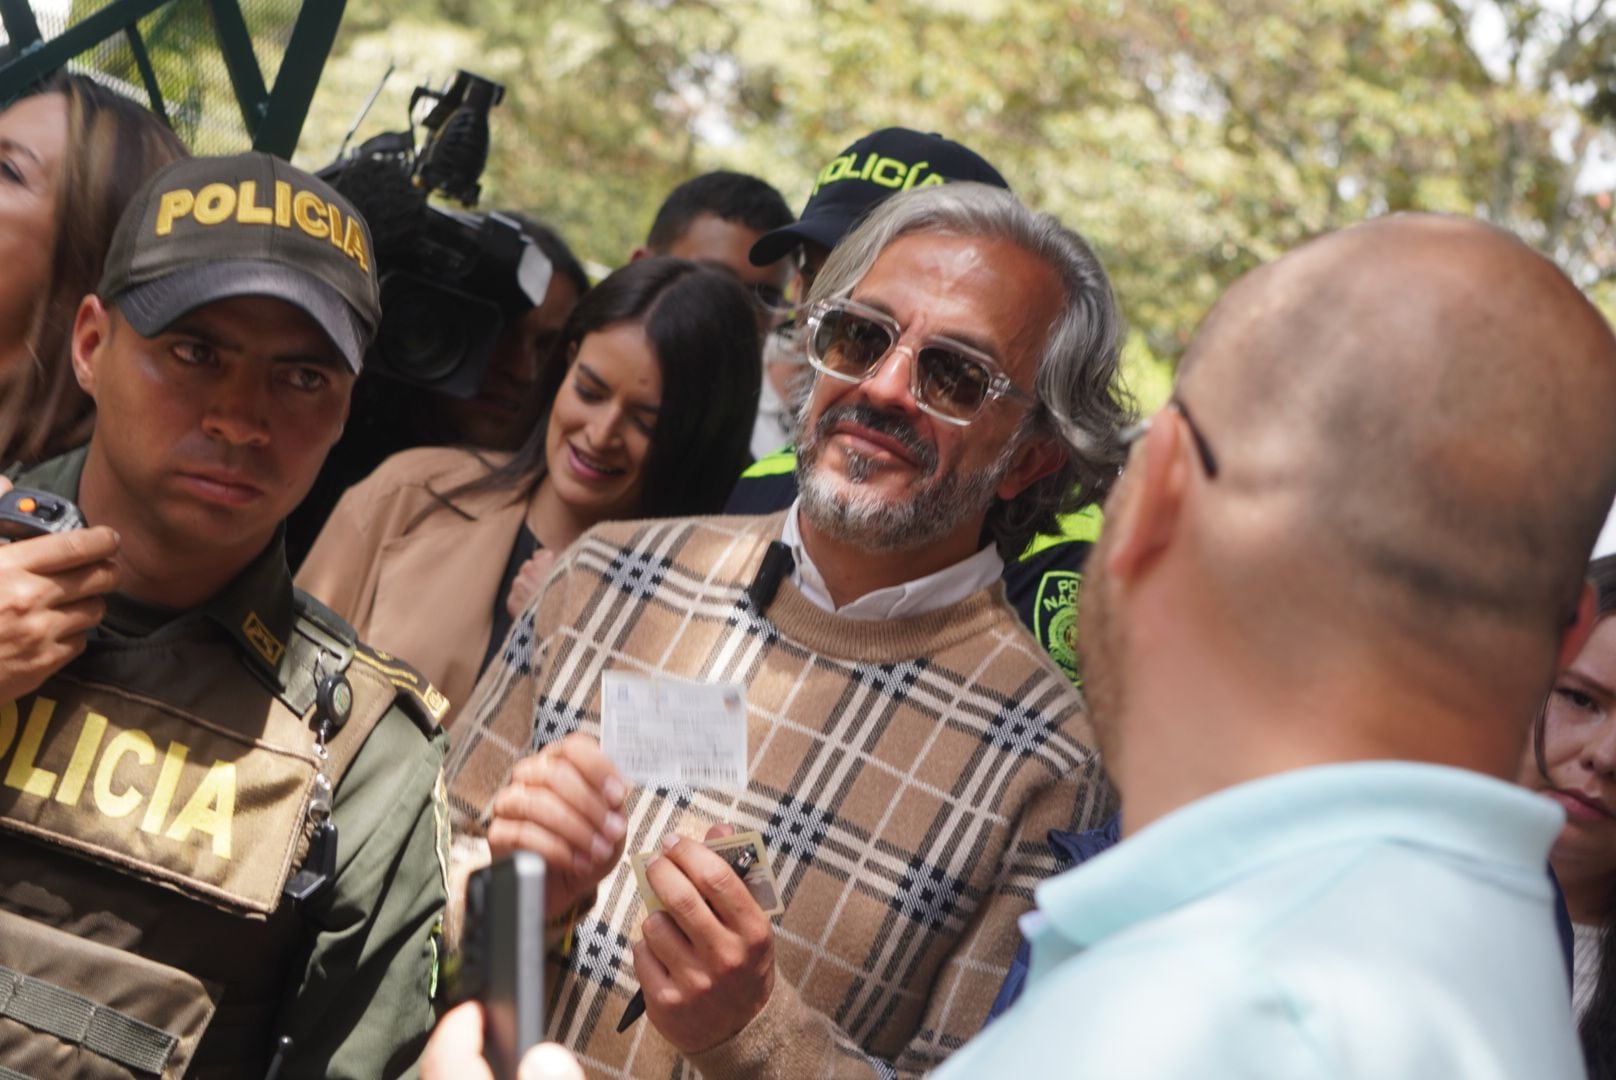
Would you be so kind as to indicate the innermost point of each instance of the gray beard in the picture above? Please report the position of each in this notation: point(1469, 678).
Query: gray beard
point(940, 504)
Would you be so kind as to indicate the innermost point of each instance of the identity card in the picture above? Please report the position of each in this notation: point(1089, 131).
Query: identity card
point(659, 730)
point(758, 875)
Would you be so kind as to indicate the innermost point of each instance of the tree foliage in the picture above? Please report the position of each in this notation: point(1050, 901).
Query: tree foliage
point(1189, 140)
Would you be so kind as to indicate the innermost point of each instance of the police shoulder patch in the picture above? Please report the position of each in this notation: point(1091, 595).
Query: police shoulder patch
point(1055, 619)
point(423, 701)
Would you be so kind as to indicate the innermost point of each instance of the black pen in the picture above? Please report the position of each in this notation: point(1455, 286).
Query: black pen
point(740, 862)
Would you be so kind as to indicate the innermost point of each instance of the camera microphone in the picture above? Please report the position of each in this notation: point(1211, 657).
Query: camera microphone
point(390, 203)
point(457, 144)
point(456, 158)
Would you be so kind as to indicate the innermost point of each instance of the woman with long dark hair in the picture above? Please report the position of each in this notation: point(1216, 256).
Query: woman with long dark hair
point(650, 410)
point(1575, 764)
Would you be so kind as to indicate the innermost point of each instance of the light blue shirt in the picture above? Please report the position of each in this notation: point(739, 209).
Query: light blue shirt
point(1376, 920)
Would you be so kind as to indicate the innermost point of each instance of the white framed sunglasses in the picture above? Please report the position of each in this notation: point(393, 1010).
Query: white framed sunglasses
point(948, 379)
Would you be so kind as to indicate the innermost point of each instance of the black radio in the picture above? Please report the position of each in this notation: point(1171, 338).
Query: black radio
point(25, 512)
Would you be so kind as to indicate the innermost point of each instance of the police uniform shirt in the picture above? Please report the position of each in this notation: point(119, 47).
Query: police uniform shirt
point(357, 982)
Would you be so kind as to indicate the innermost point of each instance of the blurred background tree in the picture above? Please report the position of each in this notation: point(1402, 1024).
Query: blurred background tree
point(1189, 140)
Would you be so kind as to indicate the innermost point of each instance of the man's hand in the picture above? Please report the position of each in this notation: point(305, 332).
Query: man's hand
point(565, 803)
point(705, 962)
point(455, 1052)
point(528, 581)
point(50, 596)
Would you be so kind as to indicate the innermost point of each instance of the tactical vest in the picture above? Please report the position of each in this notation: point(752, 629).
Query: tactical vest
point(154, 803)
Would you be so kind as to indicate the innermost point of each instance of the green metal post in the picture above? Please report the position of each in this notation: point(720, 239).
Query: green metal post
point(21, 27)
point(273, 116)
point(44, 60)
point(235, 41)
point(304, 60)
point(148, 74)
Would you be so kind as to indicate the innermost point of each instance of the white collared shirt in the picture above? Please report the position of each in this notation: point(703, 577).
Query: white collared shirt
point(933, 592)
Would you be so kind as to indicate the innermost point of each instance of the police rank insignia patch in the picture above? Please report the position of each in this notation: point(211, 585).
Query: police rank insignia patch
point(262, 637)
point(1055, 619)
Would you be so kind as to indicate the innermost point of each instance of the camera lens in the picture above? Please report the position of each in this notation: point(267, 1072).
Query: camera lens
point(434, 336)
point(421, 338)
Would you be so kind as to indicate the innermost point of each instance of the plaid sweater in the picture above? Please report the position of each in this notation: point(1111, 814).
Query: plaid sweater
point(903, 774)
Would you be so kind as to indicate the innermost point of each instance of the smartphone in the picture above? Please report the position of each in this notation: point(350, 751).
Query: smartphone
point(502, 957)
point(25, 512)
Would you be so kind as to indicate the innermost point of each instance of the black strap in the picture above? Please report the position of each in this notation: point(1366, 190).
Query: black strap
point(76, 1019)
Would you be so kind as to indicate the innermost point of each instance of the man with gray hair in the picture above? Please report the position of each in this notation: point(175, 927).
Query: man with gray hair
point(907, 744)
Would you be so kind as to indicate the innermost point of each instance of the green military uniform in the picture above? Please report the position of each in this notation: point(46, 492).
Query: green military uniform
point(154, 860)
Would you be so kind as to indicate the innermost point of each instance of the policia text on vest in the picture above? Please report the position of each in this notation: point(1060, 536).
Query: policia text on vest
point(114, 770)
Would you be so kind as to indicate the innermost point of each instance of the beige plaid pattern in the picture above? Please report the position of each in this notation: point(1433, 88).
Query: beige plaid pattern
point(904, 775)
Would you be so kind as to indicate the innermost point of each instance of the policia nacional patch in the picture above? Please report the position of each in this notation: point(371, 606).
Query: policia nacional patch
point(1055, 619)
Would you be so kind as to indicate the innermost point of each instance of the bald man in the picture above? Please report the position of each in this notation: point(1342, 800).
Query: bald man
point(1333, 587)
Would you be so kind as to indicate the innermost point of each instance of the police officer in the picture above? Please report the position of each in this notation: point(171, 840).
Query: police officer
point(220, 816)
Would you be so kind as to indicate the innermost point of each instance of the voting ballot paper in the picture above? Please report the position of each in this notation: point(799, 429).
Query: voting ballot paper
point(658, 730)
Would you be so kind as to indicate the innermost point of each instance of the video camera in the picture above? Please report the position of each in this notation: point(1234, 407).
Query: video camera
point(449, 279)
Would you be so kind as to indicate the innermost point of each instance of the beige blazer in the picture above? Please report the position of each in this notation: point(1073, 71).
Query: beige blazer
point(423, 591)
